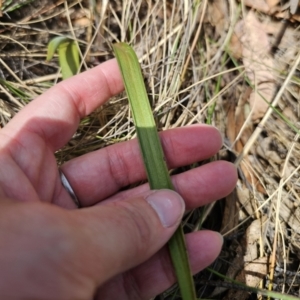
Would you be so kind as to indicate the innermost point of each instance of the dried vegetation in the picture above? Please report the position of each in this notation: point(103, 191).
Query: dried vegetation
point(228, 63)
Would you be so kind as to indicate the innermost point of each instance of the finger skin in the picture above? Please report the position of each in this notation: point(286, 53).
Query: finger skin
point(198, 186)
point(156, 275)
point(124, 234)
point(52, 253)
point(28, 141)
point(65, 104)
point(105, 172)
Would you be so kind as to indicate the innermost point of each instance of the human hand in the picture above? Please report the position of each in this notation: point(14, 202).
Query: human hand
point(111, 248)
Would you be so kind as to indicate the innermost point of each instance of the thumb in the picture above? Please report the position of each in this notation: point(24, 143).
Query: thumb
point(116, 236)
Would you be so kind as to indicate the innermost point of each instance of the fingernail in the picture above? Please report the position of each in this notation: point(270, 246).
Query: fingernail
point(220, 237)
point(168, 205)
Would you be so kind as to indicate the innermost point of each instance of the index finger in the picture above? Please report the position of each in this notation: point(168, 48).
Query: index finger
point(65, 104)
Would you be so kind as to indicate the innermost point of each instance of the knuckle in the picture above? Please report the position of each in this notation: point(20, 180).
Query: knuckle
point(117, 166)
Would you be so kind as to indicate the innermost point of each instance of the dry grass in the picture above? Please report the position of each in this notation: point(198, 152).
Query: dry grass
point(191, 78)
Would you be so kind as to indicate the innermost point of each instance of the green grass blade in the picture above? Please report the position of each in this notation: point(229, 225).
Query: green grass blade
point(155, 164)
point(10, 5)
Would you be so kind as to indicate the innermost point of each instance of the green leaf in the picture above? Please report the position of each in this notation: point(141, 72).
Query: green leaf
point(68, 55)
point(153, 156)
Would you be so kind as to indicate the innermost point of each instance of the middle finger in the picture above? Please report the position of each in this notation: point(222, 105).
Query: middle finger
point(100, 174)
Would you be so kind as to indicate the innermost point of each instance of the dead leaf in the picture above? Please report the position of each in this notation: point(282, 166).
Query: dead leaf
point(252, 274)
point(256, 271)
point(285, 14)
point(294, 6)
point(217, 15)
point(243, 129)
point(290, 114)
point(82, 22)
point(231, 214)
point(246, 200)
point(230, 107)
point(272, 3)
point(236, 127)
point(235, 271)
point(260, 5)
point(235, 46)
point(290, 214)
point(264, 149)
point(253, 234)
point(258, 63)
point(246, 266)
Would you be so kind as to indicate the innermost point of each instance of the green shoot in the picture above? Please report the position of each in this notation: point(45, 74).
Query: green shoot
point(157, 171)
point(68, 55)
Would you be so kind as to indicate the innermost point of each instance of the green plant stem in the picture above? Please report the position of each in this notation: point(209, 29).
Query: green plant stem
point(155, 164)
